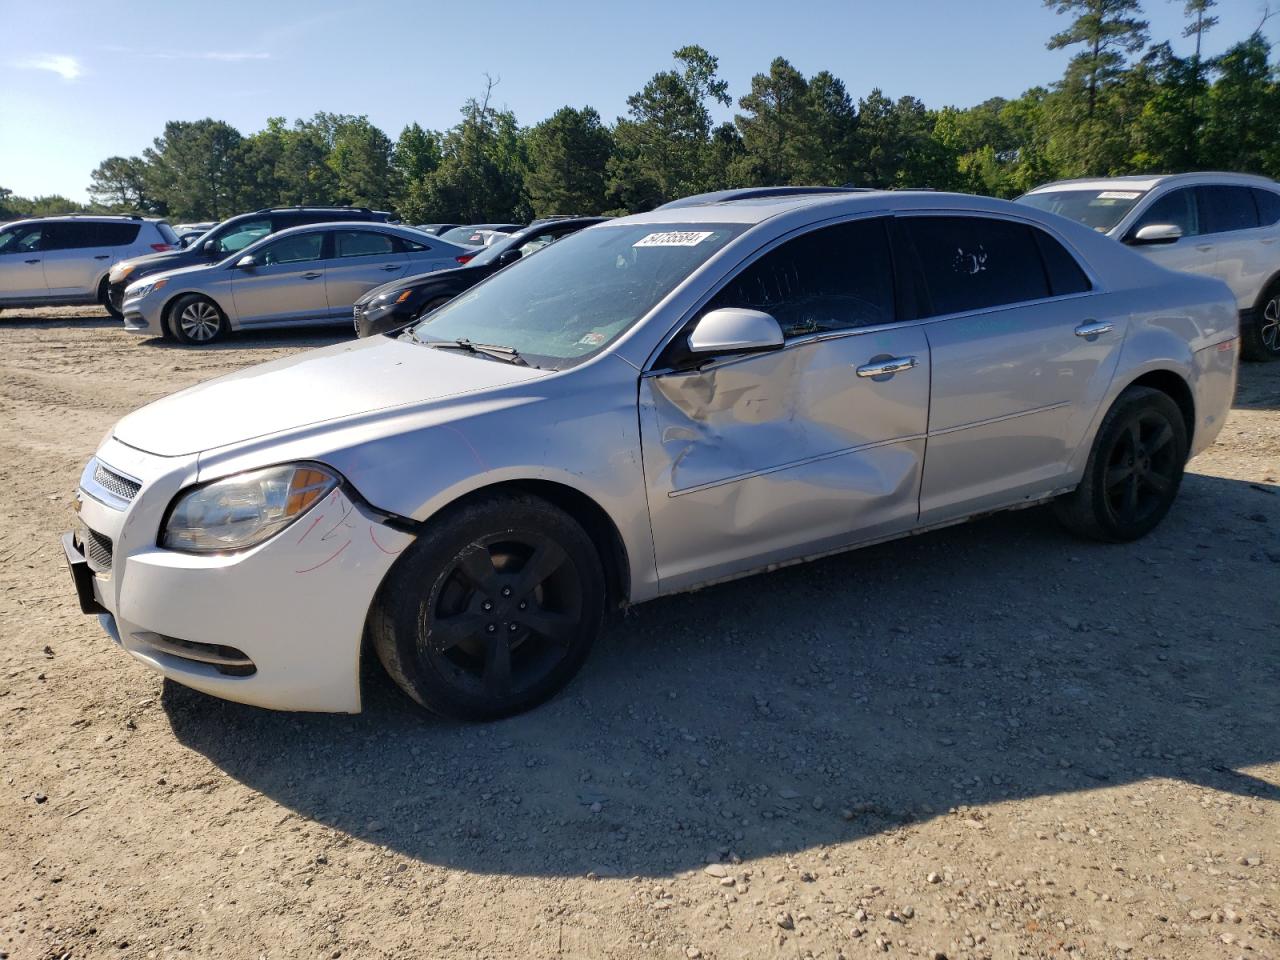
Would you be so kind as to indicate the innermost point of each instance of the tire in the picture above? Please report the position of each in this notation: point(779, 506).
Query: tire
point(104, 298)
point(493, 610)
point(196, 320)
point(1260, 337)
point(1134, 470)
point(431, 307)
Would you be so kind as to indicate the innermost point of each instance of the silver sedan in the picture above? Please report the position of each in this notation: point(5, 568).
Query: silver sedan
point(306, 275)
point(659, 402)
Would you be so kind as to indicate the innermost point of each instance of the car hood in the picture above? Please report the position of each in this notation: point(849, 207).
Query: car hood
point(169, 272)
point(331, 383)
point(152, 262)
point(417, 280)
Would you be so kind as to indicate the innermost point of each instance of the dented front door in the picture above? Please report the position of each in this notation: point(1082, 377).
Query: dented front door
point(762, 459)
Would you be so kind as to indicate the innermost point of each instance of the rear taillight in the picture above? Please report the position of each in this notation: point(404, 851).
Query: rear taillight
point(161, 247)
point(465, 258)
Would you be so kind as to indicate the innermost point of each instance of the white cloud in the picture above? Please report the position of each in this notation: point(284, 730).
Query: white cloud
point(67, 67)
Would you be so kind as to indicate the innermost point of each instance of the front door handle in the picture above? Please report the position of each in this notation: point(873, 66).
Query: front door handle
point(36, 260)
point(102, 256)
point(1205, 248)
point(1093, 329)
point(311, 275)
point(886, 366)
point(391, 266)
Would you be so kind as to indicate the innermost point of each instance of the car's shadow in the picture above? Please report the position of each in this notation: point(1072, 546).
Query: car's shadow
point(301, 337)
point(996, 660)
point(90, 321)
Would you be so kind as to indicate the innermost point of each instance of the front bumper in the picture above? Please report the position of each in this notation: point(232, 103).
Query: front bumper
point(141, 317)
point(371, 318)
point(276, 626)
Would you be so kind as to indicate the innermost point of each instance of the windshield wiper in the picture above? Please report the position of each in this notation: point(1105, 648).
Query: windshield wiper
point(496, 351)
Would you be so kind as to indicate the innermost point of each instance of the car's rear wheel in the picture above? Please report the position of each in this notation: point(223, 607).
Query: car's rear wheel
point(1134, 469)
point(491, 611)
point(1260, 339)
point(104, 298)
point(433, 305)
point(196, 320)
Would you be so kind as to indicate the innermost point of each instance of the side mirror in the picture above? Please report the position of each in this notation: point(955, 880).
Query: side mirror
point(508, 256)
point(1157, 233)
point(247, 262)
point(210, 247)
point(735, 330)
point(184, 242)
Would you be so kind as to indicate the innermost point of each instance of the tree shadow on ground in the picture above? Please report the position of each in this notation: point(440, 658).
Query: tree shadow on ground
point(987, 662)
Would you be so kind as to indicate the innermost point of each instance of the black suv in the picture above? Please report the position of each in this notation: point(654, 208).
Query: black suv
point(228, 237)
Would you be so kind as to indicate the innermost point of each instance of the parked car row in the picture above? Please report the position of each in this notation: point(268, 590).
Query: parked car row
point(711, 389)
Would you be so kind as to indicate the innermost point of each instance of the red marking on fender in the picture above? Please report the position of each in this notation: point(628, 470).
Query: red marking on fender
point(380, 546)
point(332, 556)
point(314, 523)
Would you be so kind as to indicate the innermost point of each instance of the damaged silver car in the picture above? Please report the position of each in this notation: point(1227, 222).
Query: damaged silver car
point(655, 403)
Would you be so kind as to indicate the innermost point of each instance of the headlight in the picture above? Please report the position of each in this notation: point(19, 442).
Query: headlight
point(244, 510)
point(394, 296)
point(143, 287)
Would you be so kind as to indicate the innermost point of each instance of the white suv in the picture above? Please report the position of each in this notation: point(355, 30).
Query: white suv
point(1224, 225)
point(64, 261)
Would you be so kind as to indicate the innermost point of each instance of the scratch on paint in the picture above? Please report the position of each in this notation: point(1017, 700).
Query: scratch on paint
point(314, 524)
point(380, 546)
point(332, 556)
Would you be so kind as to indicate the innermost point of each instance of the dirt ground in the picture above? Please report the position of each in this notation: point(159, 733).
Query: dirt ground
point(991, 742)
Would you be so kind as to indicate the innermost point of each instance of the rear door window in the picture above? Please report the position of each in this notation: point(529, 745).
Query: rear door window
point(69, 235)
point(361, 243)
point(834, 278)
point(974, 263)
point(1226, 209)
point(1177, 207)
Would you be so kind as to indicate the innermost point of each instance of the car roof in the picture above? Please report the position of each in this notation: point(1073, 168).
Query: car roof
point(370, 226)
point(1151, 180)
point(757, 209)
point(84, 218)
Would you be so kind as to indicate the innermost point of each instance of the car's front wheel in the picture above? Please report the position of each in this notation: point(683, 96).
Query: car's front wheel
point(1260, 339)
point(492, 610)
point(1134, 469)
point(196, 320)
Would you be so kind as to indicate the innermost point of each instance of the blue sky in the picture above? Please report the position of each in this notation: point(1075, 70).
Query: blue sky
point(81, 81)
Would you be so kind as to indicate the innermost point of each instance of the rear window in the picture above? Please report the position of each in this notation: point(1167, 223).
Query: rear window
point(972, 263)
point(361, 243)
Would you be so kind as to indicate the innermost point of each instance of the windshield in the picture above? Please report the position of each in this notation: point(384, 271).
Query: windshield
point(580, 293)
point(1099, 209)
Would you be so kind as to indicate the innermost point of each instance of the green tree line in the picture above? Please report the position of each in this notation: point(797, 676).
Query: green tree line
point(1125, 104)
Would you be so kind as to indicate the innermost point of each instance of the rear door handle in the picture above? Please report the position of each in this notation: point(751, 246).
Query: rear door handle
point(36, 260)
point(886, 367)
point(102, 256)
point(1094, 328)
point(311, 275)
point(391, 266)
point(1205, 248)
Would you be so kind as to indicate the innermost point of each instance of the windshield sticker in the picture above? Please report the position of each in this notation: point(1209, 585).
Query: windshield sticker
point(592, 339)
point(1118, 195)
point(674, 238)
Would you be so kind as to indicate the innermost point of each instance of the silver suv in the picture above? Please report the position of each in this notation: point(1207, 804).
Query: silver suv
point(64, 261)
point(1224, 225)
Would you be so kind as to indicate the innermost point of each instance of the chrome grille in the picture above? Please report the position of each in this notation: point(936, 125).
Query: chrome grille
point(121, 486)
point(97, 547)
